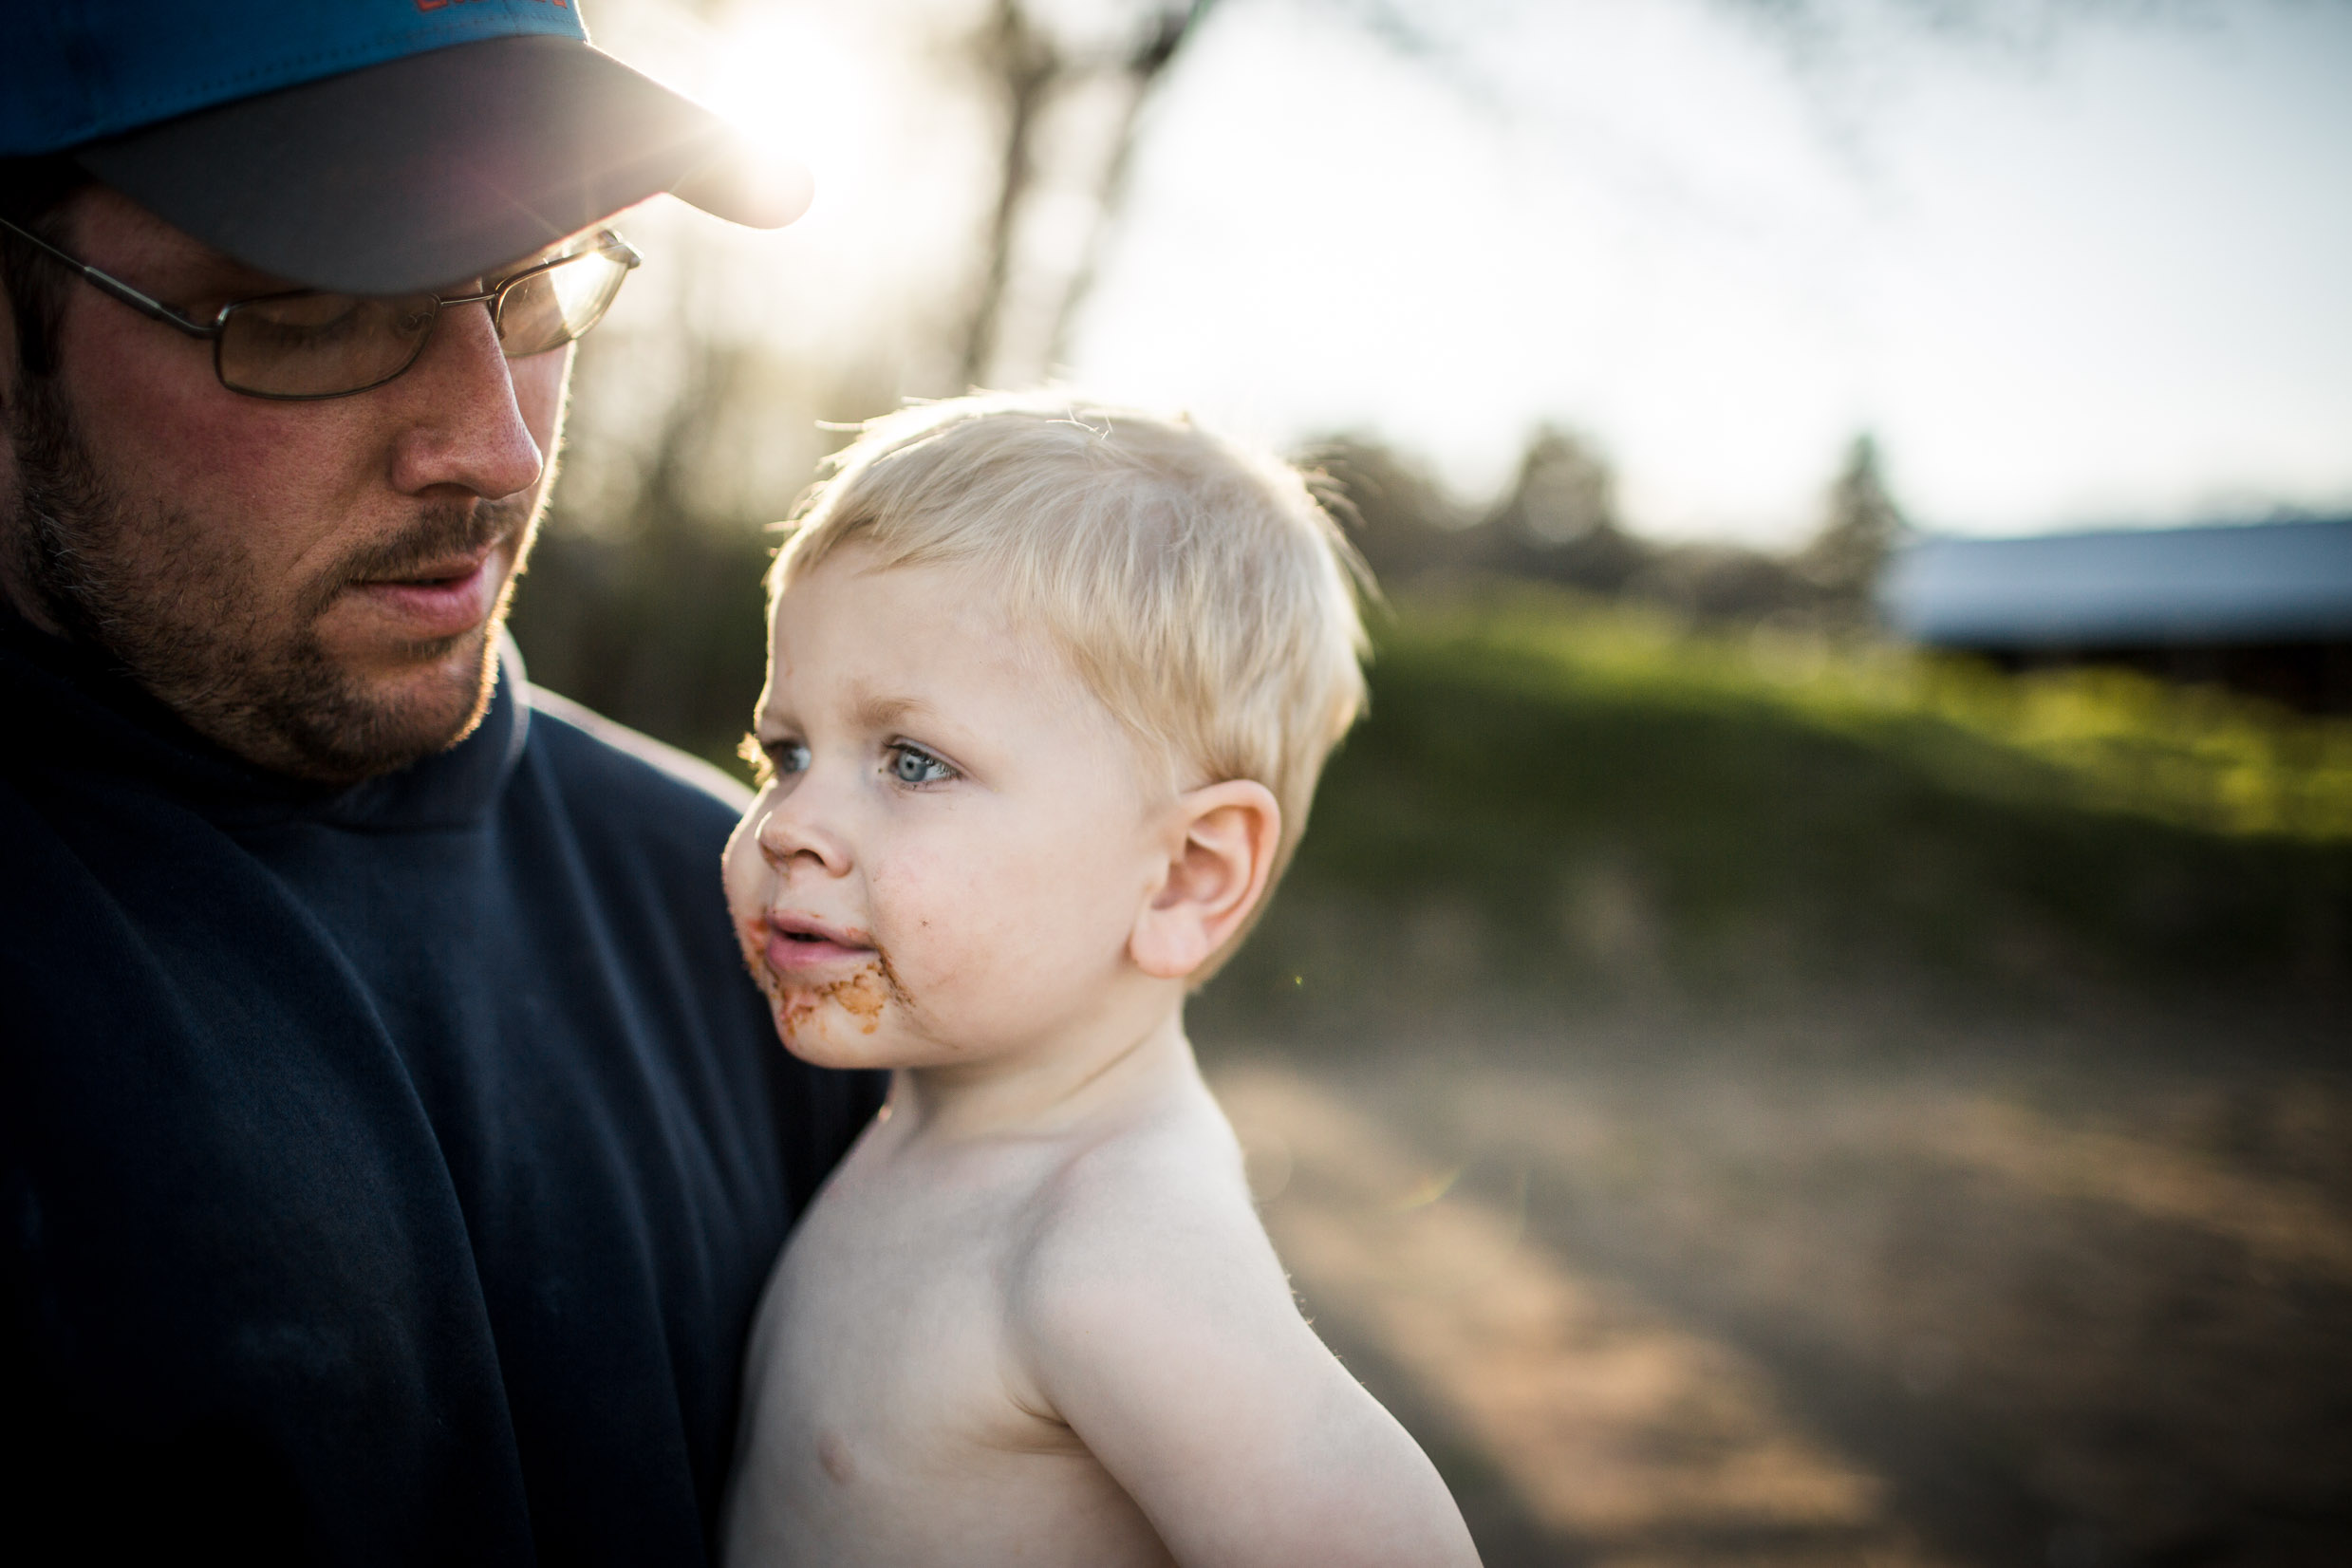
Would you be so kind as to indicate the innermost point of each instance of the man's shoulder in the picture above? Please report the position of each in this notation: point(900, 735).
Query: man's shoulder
point(603, 765)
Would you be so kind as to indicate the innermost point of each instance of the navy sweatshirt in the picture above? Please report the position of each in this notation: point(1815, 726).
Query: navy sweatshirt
point(387, 1174)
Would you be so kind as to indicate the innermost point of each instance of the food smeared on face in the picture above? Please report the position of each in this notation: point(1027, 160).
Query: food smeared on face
point(861, 995)
point(798, 1004)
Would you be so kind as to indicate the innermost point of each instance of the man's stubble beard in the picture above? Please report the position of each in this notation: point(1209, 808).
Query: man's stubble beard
point(183, 618)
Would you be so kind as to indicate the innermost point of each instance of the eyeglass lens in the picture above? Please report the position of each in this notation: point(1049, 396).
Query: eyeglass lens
point(546, 309)
point(324, 345)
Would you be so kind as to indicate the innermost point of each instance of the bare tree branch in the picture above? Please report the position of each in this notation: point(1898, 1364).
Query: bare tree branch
point(1170, 26)
point(1023, 66)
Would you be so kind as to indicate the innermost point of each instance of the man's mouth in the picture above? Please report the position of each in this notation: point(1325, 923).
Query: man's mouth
point(445, 597)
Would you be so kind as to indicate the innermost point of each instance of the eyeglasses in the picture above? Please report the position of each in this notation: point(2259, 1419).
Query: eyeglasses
point(305, 343)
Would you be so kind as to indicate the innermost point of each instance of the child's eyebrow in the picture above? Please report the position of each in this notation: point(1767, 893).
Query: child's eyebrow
point(881, 713)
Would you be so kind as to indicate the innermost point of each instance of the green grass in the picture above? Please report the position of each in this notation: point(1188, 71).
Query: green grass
point(1556, 802)
point(2105, 739)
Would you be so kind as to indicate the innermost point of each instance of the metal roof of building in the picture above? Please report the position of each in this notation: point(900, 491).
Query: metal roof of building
point(2278, 582)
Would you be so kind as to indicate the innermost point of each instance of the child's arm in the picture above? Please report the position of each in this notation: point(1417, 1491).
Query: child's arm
point(1160, 1327)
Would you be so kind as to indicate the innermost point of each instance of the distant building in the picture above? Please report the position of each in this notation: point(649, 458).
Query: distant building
point(2266, 607)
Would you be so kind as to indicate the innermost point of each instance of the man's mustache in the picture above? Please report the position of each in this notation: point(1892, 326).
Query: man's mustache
point(460, 528)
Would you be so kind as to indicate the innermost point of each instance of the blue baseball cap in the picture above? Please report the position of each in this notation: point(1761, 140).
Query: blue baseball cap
point(370, 146)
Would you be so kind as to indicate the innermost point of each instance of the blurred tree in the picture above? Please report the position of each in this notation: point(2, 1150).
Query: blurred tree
point(1404, 523)
point(1564, 491)
point(1032, 70)
point(1560, 520)
point(643, 597)
point(1859, 529)
point(1021, 64)
point(1559, 523)
point(1724, 583)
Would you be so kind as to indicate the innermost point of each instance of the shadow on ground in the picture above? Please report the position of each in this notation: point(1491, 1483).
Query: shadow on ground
point(1754, 1294)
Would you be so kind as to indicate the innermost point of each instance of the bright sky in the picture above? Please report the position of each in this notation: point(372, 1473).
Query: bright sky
point(2095, 276)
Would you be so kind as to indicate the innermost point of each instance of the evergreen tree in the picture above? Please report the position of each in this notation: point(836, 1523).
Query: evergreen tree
point(1861, 529)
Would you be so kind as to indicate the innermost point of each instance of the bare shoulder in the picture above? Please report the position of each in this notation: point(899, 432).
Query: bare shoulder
point(1162, 1195)
point(1147, 1311)
point(1144, 1242)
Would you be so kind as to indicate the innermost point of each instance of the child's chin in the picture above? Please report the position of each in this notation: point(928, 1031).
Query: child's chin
point(835, 1023)
point(814, 1047)
point(822, 1034)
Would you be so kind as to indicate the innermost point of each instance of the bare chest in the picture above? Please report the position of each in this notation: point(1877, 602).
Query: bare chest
point(884, 1417)
point(883, 1328)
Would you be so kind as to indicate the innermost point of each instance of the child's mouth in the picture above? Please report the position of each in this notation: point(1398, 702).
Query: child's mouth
point(804, 966)
point(798, 946)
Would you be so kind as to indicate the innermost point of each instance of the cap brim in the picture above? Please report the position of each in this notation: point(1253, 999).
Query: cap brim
point(440, 166)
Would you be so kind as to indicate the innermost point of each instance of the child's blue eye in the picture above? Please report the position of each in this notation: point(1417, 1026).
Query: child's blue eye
point(913, 765)
point(788, 757)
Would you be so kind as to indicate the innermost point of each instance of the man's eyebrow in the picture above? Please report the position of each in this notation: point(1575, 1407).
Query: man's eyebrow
point(217, 279)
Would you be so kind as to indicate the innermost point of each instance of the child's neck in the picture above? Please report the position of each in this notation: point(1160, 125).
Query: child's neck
point(1058, 1087)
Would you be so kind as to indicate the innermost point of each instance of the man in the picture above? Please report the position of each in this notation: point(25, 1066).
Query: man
point(390, 1149)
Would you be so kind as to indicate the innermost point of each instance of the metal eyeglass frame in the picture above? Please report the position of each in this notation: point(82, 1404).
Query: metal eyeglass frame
point(495, 297)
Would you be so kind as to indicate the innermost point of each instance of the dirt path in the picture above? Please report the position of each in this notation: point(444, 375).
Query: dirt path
point(1724, 1310)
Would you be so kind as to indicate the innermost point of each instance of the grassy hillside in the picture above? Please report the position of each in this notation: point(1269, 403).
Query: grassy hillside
point(1554, 803)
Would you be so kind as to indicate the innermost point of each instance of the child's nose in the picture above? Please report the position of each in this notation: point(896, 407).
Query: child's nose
point(793, 829)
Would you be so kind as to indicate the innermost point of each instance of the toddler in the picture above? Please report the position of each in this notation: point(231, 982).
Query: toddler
point(1049, 690)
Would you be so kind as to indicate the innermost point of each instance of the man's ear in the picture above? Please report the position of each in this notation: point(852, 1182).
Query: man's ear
point(1221, 852)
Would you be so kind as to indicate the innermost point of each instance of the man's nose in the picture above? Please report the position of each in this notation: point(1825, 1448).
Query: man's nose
point(467, 428)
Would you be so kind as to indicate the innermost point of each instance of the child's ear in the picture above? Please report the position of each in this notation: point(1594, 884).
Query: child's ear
point(1221, 852)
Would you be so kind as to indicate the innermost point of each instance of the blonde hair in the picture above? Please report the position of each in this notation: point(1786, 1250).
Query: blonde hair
point(1198, 589)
